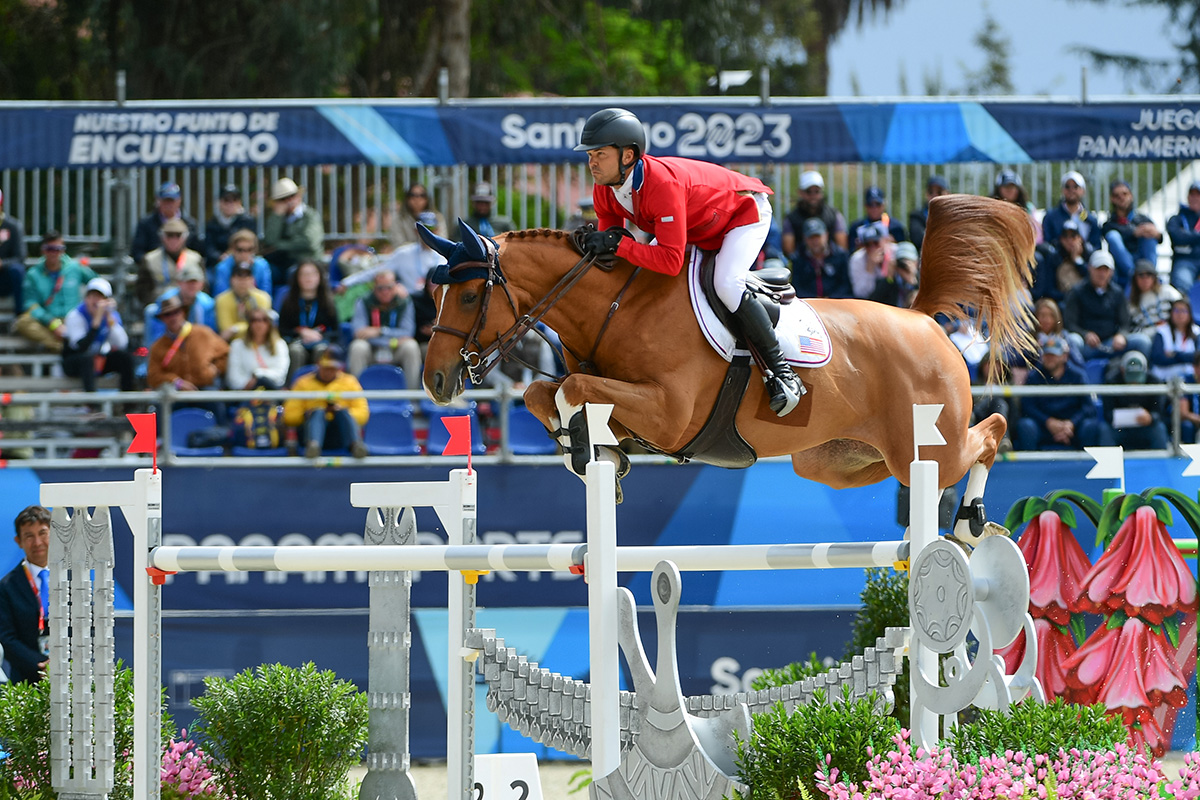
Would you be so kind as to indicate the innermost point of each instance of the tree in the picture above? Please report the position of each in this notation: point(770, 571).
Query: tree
point(995, 76)
point(1177, 74)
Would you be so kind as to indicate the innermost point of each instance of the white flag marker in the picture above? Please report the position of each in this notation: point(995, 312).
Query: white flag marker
point(1110, 463)
point(1192, 451)
point(597, 422)
point(925, 429)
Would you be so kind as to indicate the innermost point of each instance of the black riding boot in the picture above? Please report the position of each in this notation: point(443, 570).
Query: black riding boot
point(785, 387)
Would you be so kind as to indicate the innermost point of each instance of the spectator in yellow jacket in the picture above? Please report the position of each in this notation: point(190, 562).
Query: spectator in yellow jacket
point(330, 422)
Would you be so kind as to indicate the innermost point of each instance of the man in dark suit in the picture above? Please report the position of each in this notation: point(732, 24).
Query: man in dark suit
point(24, 599)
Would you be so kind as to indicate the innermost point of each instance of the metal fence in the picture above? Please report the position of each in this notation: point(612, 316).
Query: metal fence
point(88, 205)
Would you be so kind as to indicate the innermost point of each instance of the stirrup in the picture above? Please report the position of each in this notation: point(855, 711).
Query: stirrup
point(785, 393)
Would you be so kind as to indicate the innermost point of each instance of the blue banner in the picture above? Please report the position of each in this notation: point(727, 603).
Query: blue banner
point(416, 133)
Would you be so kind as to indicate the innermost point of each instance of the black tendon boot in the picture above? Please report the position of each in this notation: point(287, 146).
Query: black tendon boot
point(784, 386)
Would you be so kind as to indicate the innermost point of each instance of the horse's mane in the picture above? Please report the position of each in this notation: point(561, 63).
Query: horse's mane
point(977, 254)
point(535, 232)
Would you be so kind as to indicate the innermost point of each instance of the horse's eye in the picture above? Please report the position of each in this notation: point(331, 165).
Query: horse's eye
point(469, 298)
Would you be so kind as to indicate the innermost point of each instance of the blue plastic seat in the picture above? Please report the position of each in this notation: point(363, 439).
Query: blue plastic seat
point(527, 436)
point(183, 422)
point(260, 452)
point(1095, 368)
point(439, 436)
point(301, 371)
point(389, 432)
point(277, 300)
point(384, 377)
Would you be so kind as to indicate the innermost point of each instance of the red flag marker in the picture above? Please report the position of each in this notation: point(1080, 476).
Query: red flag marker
point(459, 443)
point(145, 435)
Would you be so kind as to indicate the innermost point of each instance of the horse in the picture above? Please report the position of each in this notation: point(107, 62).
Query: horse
point(630, 338)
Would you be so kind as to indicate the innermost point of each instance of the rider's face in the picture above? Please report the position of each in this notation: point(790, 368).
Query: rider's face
point(605, 165)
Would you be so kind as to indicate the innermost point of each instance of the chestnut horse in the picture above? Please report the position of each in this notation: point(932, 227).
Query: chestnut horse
point(650, 360)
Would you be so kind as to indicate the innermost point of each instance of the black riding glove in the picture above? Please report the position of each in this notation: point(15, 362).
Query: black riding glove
point(602, 243)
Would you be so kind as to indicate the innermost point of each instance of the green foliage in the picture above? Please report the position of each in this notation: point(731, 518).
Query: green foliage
point(885, 605)
point(281, 733)
point(1034, 728)
point(25, 734)
point(797, 671)
point(785, 750)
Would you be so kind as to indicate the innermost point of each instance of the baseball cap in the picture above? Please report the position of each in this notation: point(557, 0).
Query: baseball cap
point(191, 272)
point(1101, 258)
point(1074, 176)
point(99, 285)
point(169, 191)
point(1006, 177)
point(873, 194)
point(482, 191)
point(1071, 225)
point(1195, 187)
point(907, 251)
point(1055, 346)
point(174, 225)
point(813, 226)
point(810, 179)
point(870, 233)
point(938, 181)
point(332, 356)
point(1144, 266)
point(586, 202)
point(1134, 365)
point(231, 190)
point(428, 219)
point(240, 269)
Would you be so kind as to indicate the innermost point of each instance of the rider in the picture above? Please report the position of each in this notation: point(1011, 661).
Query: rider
point(678, 200)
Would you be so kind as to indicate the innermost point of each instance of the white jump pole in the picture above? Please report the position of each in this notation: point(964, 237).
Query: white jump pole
point(923, 531)
point(601, 572)
point(140, 501)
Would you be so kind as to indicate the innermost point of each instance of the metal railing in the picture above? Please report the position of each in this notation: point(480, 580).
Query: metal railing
point(108, 407)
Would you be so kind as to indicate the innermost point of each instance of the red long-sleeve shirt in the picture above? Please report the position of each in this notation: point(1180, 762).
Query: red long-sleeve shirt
point(678, 201)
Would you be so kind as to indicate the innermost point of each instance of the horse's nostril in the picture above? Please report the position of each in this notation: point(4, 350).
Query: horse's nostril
point(439, 381)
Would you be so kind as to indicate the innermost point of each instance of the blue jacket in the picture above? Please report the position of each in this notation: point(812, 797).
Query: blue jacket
point(224, 268)
point(1052, 225)
point(1078, 408)
point(834, 278)
point(1185, 239)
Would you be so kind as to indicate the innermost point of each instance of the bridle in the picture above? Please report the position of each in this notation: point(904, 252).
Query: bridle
point(480, 359)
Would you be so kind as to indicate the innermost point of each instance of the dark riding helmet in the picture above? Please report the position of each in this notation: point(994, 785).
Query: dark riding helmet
point(613, 127)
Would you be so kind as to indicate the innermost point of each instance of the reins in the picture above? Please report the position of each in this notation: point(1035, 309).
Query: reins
point(481, 360)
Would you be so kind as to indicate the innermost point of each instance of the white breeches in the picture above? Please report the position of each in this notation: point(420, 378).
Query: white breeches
point(739, 252)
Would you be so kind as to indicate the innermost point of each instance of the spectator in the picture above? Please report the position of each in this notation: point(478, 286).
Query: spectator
point(1049, 319)
point(25, 599)
point(258, 358)
point(168, 207)
point(1174, 346)
point(1149, 300)
point(868, 262)
point(385, 328)
point(876, 215)
point(820, 268)
point(161, 268)
point(94, 342)
point(1096, 315)
point(1129, 235)
point(199, 305)
point(811, 203)
point(329, 422)
point(188, 355)
point(294, 232)
point(1062, 421)
point(1184, 230)
point(1063, 266)
point(482, 220)
point(585, 213)
point(308, 318)
point(1137, 419)
point(1072, 207)
point(1189, 407)
point(402, 224)
point(992, 372)
point(230, 218)
point(243, 249)
point(235, 303)
point(12, 256)
point(1007, 187)
point(936, 186)
point(897, 281)
point(53, 286)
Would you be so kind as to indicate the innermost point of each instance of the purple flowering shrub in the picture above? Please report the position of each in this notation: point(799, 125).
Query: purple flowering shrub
point(186, 771)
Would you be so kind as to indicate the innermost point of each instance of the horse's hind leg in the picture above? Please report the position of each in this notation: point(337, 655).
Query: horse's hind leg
point(971, 525)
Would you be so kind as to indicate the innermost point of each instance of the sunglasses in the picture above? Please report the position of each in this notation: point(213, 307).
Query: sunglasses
point(172, 235)
point(53, 248)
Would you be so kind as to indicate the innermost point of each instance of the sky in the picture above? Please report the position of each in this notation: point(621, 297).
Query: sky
point(923, 36)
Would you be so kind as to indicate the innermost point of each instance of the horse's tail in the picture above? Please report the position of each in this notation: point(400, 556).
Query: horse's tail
point(978, 255)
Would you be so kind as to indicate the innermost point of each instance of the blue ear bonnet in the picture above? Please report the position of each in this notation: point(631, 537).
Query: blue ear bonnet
point(472, 250)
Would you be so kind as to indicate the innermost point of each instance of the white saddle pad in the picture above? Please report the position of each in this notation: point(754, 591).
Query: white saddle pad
point(802, 335)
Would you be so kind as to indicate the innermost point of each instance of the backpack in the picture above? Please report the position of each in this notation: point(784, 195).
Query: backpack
point(260, 422)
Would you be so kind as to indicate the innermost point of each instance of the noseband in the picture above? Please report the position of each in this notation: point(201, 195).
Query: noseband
point(481, 360)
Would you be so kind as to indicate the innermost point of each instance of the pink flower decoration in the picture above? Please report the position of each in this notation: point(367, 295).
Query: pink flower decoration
point(1054, 648)
point(1141, 573)
point(1057, 566)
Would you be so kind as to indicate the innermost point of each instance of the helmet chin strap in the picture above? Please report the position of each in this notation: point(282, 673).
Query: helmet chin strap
point(621, 168)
